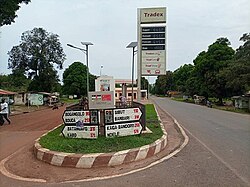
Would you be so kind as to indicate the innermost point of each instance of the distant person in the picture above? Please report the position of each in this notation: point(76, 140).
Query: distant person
point(85, 103)
point(5, 110)
point(1, 118)
point(123, 101)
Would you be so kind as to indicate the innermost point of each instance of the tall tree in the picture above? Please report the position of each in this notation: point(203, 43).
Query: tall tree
point(15, 82)
point(36, 56)
point(181, 76)
point(8, 10)
point(75, 80)
point(237, 73)
point(207, 67)
point(144, 83)
point(164, 83)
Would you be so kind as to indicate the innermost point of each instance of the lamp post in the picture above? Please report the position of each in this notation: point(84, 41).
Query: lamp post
point(87, 56)
point(101, 70)
point(132, 45)
point(86, 51)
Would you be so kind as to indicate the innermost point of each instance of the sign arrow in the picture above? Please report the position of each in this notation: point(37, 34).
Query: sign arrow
point(127, 114)
point(71, 117)
point(123, 129)
point(88, 132)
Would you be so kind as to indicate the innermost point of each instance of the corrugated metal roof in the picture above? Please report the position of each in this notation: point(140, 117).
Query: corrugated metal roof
point(6, 92)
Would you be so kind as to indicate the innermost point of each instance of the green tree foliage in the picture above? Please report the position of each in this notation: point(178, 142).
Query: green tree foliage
point(75, 80)
point(218, 72)
point(207, 66)
point(36, 56)
point(237, 73)
point(144, 83)
point(14, 82)
point(8, 10)
point(181, 76)
point(164, 83)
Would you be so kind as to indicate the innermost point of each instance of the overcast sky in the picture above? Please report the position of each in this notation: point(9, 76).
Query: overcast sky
point(112, 24)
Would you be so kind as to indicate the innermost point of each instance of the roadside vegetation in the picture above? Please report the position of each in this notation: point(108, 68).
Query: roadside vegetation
point(215, 104)
point(219, 72)
point(56, 142)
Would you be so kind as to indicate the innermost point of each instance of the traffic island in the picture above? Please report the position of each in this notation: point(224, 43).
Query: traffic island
point(99, 159)
point(94, 160)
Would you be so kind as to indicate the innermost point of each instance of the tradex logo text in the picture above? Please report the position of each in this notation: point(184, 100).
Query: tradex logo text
point(155, 14)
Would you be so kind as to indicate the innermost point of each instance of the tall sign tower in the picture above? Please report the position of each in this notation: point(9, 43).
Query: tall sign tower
point(151, 37)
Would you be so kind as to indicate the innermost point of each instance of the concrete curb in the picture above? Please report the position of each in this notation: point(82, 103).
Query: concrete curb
point(100, 159)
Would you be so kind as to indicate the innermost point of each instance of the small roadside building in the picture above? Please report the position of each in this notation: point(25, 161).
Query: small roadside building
point(8, 95)
point(242, 102)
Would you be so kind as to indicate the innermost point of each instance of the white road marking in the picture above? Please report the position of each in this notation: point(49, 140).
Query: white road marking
point(5, 172)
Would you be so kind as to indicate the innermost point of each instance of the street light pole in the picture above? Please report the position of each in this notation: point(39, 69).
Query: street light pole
point(86, 51)
point(87, 61)
point(132, 45)
point(101, 70)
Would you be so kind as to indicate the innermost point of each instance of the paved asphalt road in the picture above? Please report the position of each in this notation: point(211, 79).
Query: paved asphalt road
point(218, 153)
point(225, 135)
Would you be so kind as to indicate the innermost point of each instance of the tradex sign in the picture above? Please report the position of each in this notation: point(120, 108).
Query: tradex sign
point(153, 15)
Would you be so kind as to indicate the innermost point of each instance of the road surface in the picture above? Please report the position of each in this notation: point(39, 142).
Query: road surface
point(217, 154)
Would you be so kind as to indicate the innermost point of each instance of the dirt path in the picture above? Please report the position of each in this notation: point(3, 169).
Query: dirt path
point(25, 128)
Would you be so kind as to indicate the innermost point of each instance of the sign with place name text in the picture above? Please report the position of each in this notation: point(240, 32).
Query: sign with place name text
point(127, 114)
point(85, 117)
point(123, 129)
point(88, 132)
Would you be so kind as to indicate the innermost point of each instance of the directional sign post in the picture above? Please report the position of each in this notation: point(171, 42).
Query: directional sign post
point(123, 122)
point(88, 132)
point(127, 114)
point(123, 129)
point(71, 117)
point(80, 124)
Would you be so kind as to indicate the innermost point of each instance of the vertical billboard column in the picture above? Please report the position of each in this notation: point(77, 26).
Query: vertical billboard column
point(151, 37)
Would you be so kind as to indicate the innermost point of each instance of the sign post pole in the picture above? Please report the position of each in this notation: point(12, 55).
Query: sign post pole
point(139, 55)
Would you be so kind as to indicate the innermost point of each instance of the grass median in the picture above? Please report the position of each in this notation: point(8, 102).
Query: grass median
point(56, 142)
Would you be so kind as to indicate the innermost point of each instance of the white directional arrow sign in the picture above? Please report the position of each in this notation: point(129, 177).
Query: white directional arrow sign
point(88, 132)
point(123, 129)
point(71, 117)
point(127, 114)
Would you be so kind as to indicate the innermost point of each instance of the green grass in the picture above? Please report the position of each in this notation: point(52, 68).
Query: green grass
point(56, 142)
point(69, 101)
point(232, 109)
point(189, 100)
